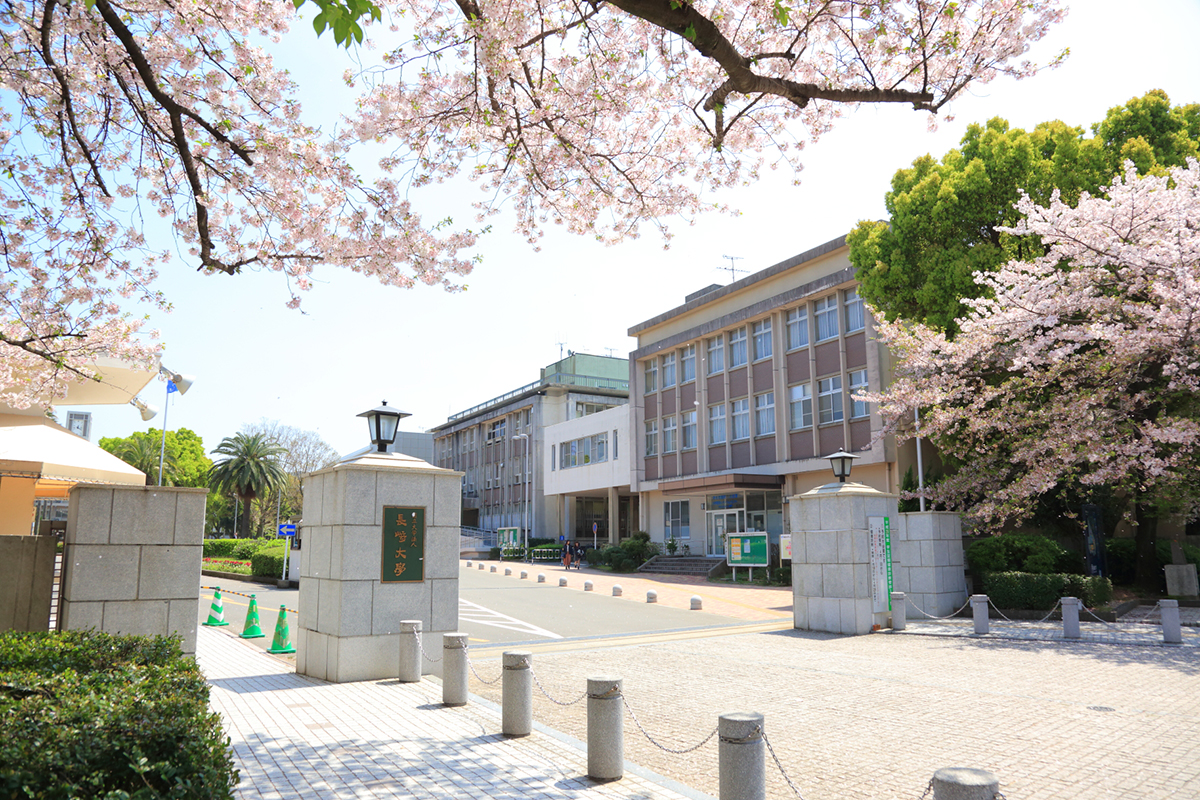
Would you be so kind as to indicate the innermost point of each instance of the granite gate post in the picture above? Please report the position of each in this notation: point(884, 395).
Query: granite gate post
point(380, 544)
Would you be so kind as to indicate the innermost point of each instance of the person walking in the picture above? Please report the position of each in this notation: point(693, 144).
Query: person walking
point(566, 555)
point(578, 556)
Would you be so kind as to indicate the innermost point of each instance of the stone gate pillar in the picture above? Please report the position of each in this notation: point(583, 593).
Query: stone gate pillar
point(841, 562)
point(380, 544)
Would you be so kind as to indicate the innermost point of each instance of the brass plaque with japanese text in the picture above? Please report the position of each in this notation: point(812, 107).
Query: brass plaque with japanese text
point(403, 545)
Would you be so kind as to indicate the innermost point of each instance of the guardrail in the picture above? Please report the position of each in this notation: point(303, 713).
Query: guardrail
point(560, 378)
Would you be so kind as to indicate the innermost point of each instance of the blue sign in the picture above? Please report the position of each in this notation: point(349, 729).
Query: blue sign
point(287, 529)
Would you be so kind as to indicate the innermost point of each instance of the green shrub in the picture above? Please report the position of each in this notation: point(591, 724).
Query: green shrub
point(246, 548)
point(494, 554)
point(219, 548)
point(513, 554)
point(267, 562)
point(89, 714)
point(1039, 592)
point(1018, 552)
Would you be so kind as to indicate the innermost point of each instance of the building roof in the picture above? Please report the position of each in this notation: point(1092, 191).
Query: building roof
point(37, 447)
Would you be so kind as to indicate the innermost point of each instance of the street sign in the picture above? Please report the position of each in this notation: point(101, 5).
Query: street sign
point(287, 529)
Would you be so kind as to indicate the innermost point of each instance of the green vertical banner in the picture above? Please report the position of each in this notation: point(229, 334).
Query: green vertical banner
point(403, 545)
point(887, 546)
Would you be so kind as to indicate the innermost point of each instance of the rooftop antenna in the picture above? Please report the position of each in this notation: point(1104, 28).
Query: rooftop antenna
point(561, 345)
point(732, 268)
point(610, 350)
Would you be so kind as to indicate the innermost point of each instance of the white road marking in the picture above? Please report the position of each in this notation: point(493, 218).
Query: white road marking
point(476, 613)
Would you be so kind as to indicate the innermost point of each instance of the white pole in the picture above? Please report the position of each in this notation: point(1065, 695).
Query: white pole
point(920, 465)
point(162, 452)
point(286, 543)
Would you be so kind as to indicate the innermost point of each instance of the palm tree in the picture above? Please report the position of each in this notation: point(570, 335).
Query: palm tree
point(141, 452)
point(251, 467)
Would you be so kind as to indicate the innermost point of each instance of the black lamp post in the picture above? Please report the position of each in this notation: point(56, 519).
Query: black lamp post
point(383, 422)
point(841, 461)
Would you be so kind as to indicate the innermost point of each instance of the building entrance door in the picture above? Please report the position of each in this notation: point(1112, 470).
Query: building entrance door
point(721, 523)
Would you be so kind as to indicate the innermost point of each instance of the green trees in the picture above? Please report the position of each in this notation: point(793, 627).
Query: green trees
point(251, 467)
point(185, 462)
point(946, 216)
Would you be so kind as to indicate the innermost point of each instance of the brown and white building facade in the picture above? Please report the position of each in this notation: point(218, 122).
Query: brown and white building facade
point(737, 397)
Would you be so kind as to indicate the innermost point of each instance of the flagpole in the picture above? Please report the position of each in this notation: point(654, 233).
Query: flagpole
point(163, 450)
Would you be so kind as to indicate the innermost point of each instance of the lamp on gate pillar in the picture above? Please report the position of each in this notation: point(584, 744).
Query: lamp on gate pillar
point(383, 422)
point(841, 462)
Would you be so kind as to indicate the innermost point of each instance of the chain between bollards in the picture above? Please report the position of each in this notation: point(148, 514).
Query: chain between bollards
point(421, 647)
point(791, 784)
point(550, 697)
point(471, 666)
point(645, 733)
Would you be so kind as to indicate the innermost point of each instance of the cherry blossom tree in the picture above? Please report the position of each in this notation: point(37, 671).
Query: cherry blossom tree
point(597, 116)
point(1082, 367)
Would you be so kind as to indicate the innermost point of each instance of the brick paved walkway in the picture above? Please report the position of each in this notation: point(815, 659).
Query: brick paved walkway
point(295, 737)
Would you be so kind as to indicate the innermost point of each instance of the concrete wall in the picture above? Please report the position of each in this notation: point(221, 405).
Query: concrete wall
point(26, 582)
point(349, 619)
point(132, 560)
point(927, 562)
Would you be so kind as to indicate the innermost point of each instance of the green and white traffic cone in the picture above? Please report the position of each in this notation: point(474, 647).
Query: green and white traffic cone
point(216, 614)
point(253, 628)
point(282, 643)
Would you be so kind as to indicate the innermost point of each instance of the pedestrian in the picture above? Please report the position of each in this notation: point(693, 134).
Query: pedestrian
point(566, 555)
point(578, 556)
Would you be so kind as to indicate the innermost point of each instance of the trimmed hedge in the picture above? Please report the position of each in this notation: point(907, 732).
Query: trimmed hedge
point(1020, 552)
point(240, 549)
point(1039, 592)
point(90, 714)
point(1120, 555)
point(268, 561)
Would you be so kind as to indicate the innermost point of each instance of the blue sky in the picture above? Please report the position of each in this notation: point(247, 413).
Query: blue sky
point(431, 353)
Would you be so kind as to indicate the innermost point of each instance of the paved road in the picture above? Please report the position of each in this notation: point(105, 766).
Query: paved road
point(236, 601)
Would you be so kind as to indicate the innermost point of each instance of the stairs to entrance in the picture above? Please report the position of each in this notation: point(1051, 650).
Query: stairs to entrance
point(680, 565)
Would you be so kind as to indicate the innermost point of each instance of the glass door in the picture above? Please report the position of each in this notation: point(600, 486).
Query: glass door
point(721, 524)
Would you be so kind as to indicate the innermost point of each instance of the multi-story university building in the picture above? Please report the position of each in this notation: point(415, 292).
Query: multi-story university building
point(739, 394)
point(500, 445)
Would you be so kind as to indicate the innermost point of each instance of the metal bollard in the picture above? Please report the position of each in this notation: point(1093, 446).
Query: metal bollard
point(1172, 633)
point(454, 669)
point(541, 577)
point(587, 586)
point(1070, 614)
point(562, 581)
point(616, 590)
point(524, 574)
point(979, 610)
point(493, 569)
point(741, 756)
point(651, 596)
point(697, 603)
point(605, 729)
point(410, 651)
point(516, 698)
point(507, 571)
point(964, 783)
point(899, 611)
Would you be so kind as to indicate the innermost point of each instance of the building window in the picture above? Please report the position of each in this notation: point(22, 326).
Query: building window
point(668, 435)
point(797, 328)
point(614, 444)
point(827, 318)
point(829, 400)
point(675, 520)
point(652, 438)
point(583, 409)
point(800, 406)
point(741, 419)
point(668, 371)
point(764, 414)
point(716, 424)
point(737, 348)
point(858, 385)
point(855, 318)
point(552, 464)
point(762, 340)
point(588, 450)
point(716, 354)
point(687, 364)
point(496, 432)
point(689, 430)
point(652, 375)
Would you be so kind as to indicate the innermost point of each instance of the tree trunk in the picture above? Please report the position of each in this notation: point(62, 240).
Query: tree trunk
point(1148, 576)
point(245, 526)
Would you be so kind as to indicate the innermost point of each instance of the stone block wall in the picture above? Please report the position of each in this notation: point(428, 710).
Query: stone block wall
point(349, 620)
point(26, 582)
point(132, 560)
point(927, 562)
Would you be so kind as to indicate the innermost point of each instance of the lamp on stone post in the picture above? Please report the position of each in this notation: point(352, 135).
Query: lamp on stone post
point(841, 461)
point(383, 422)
